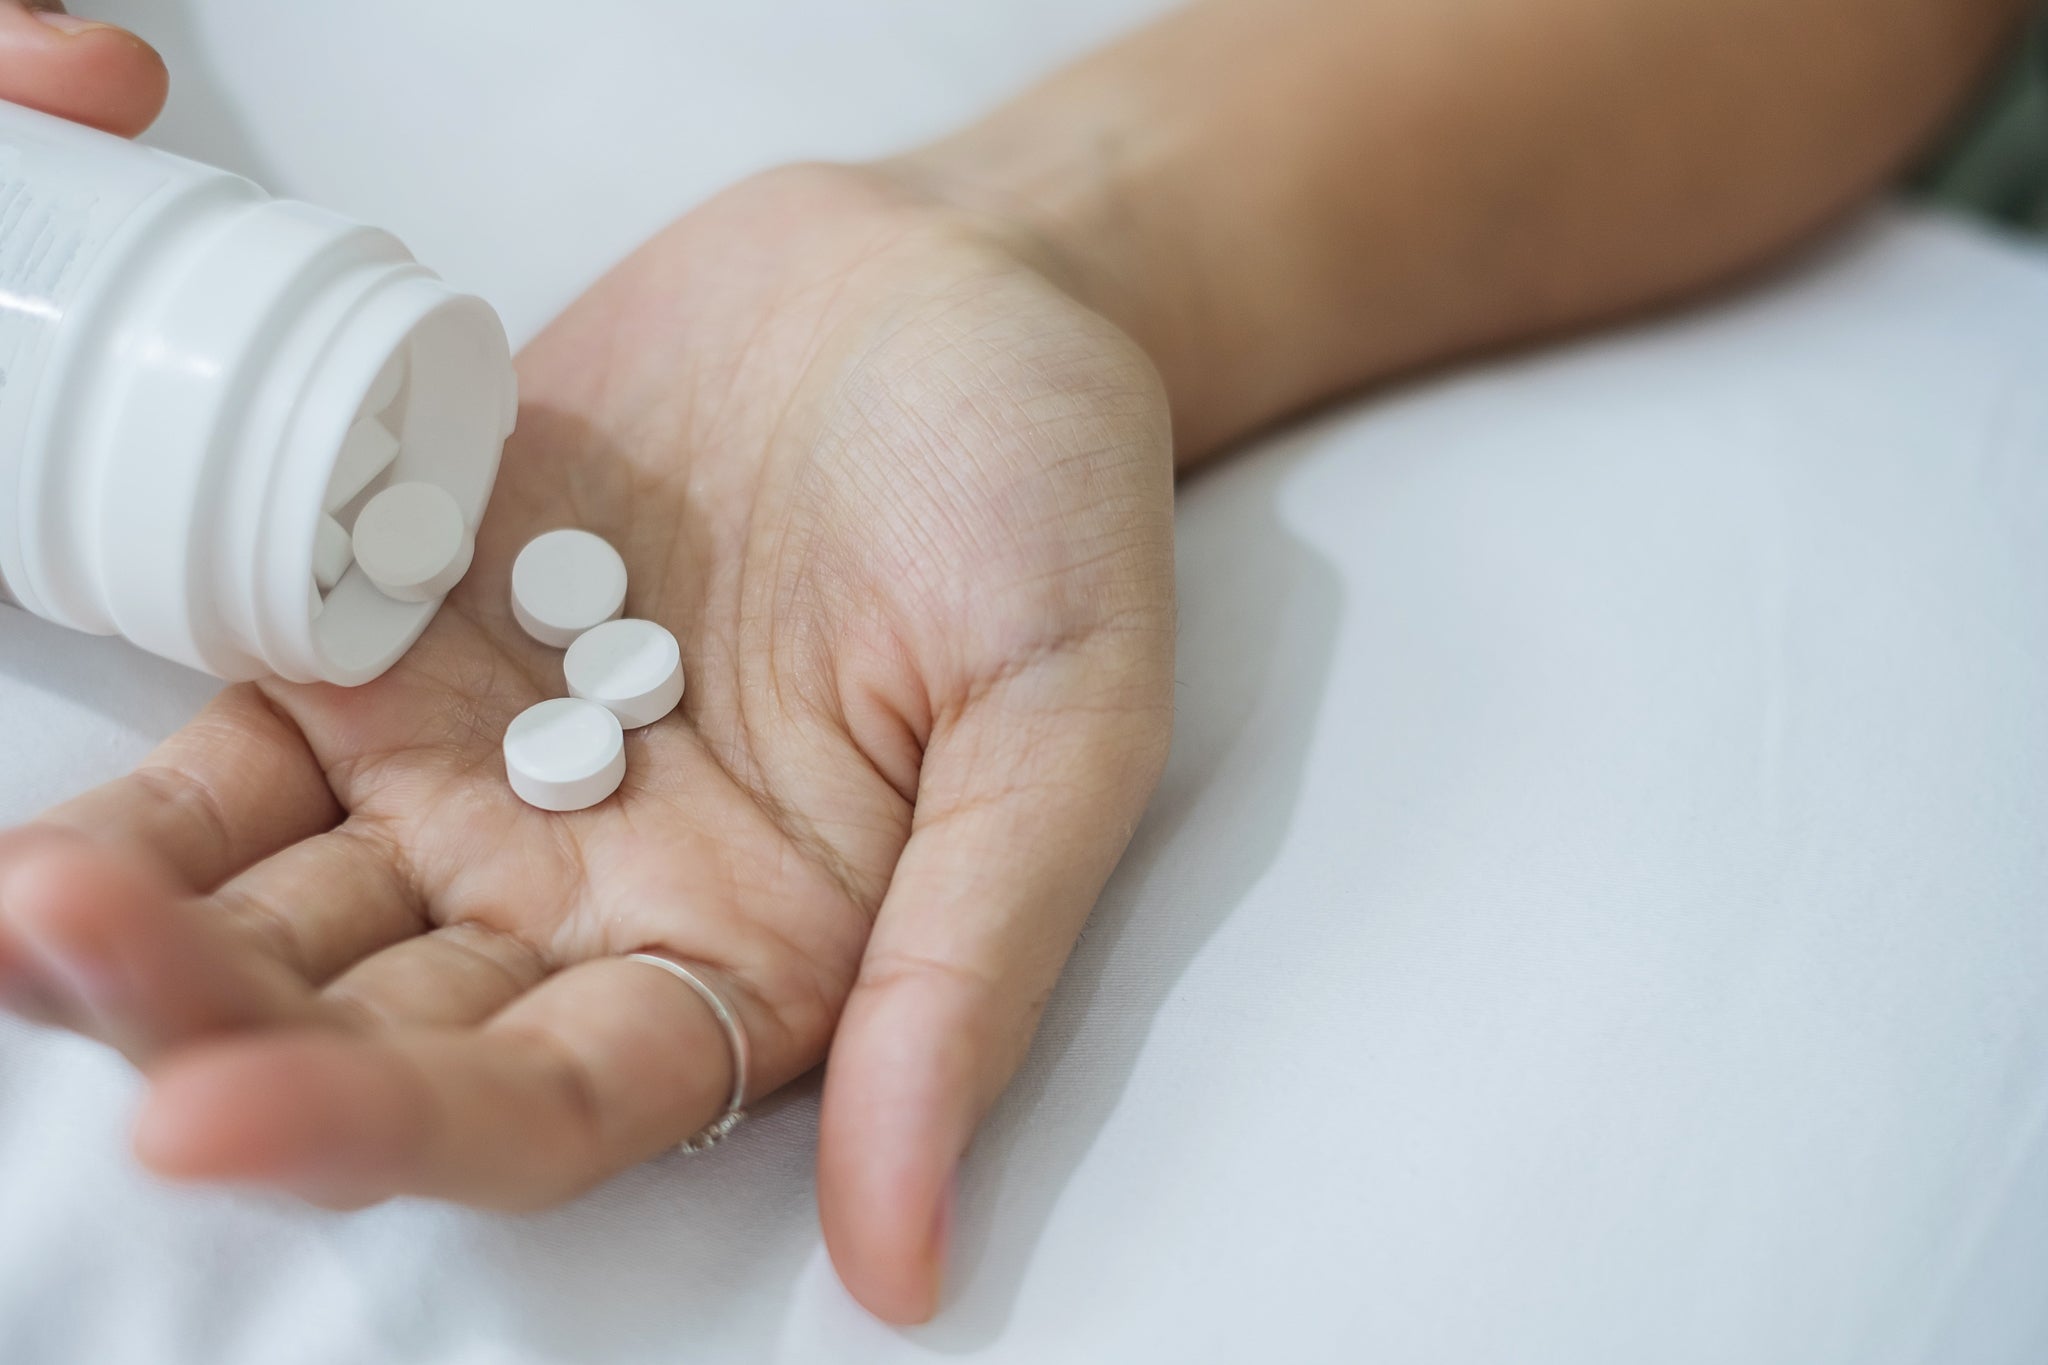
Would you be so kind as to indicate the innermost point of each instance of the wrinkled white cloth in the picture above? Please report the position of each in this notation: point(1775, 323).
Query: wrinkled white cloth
point(1595, 911)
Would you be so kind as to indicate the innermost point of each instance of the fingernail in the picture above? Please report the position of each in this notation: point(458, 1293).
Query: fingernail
point(67, 23)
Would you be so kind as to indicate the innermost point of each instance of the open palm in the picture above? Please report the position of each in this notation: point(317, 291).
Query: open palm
point(908, 508)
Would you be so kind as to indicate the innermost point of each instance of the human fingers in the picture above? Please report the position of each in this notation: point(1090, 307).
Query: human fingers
point(1024, 807)
point(324, 905)
point(231, 788)
point(72, 67)
point(604, 1065)
point(461, 973)
point(110, 948)
point(104, 942)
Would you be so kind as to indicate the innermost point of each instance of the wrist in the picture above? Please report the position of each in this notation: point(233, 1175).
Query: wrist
point(1059, 186)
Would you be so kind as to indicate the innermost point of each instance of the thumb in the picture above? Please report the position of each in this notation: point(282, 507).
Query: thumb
point(77, 69)
point(1024, 806)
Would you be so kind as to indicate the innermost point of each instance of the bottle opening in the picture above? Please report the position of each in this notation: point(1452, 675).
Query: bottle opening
point(411, 383)
point(224, 379)
point(437, 412)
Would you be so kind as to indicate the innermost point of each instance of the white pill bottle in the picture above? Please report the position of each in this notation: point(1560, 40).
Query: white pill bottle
point(200, 386)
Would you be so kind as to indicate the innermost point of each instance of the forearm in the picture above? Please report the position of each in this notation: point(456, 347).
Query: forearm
point(1285, 199)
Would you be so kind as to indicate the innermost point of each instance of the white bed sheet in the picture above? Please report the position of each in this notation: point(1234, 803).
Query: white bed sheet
point(1594, 912)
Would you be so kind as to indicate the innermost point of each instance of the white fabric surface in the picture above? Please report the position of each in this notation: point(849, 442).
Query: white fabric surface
point(1594, 912)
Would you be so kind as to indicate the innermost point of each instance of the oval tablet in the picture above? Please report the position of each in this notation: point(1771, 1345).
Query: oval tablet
point(634, 669)
point(565, 754)
point(565, 582)
point(412, 541)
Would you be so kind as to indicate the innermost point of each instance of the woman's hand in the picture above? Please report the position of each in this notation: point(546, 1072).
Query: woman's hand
point(77, 69)
point(908, 506)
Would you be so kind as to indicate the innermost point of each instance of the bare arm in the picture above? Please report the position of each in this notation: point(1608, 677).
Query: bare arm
point(1285, 199)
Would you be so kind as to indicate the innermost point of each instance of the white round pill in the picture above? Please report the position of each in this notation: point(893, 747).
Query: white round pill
point(413, 542)
point(634, 669)
point(565, 754)
point(565, 582)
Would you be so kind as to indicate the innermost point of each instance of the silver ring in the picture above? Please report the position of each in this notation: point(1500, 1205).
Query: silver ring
point(735, 1037)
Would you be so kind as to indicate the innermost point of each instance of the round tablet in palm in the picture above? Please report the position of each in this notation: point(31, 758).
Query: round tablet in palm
point(565, 582)
point(634, 669)
point(565, 754)
point(413, 542)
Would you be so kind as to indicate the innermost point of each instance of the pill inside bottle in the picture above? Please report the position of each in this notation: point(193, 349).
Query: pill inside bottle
point(413, 542)
point(207, 506)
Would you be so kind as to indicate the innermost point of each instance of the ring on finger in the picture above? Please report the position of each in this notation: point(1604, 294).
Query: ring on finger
point(736, 1039)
